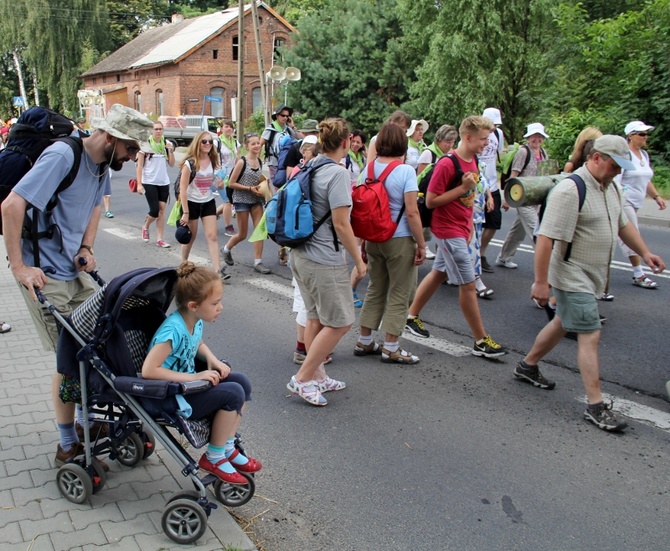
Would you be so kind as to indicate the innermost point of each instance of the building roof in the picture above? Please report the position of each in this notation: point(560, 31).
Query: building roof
point(172, 42)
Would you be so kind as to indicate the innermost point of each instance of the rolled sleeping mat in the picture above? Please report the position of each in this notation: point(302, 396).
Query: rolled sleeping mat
point(527, 191)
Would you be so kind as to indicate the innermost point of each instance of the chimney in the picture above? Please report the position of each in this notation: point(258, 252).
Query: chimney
point(177, 17)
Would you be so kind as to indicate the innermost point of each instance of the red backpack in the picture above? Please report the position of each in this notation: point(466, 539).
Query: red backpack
point(371, 215)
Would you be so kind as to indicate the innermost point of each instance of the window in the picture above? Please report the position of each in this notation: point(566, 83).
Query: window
point(216, 107)
point(215, 54)
point(236, 51)
point(118, 78)
point(159, 102)
point(279, 42)
point(256, 102)
point(137, 102)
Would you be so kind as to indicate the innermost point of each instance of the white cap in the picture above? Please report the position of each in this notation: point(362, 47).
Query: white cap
point(310, 139)
point(535, 128)
point(636, 126)
point(493, 114)
point(415, 123)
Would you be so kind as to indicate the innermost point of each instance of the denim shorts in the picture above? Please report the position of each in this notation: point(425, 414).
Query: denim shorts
point(578, 312)
point(246, 207)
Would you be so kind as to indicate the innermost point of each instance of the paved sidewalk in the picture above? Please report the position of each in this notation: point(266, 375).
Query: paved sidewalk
point(650, 215)
point(125, 514)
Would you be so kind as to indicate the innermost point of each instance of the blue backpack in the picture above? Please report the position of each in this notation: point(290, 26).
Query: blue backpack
point(284, 147)
point(288, 216)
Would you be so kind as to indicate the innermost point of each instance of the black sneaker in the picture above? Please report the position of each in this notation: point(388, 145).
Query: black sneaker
point(224, 276)
point(531, 374)
point(415, 326)
point(486, 267)
point(602, 417)
point(488, 348)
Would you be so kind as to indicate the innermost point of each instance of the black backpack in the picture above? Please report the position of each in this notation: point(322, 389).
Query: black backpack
point(425, 212)
point(36, 129)
point(581, 191)
point(191, 164)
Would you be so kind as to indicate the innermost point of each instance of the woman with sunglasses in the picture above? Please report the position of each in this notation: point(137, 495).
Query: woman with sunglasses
point(636, 185)
point(197, 196)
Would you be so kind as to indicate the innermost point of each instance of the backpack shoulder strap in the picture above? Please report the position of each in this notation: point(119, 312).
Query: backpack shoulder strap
point(458, 174)
point(581, 192)
point(528, 154)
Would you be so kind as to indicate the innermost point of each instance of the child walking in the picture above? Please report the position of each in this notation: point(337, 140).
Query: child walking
point(247, 199)
point(173, 353)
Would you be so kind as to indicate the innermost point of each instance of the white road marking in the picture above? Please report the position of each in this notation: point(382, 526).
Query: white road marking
point(441, 345)
point(633, 410)
point(174, 251)
point(616, 264)
point(271, 286)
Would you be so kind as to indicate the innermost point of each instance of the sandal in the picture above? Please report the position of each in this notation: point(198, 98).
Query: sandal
point(400, 356)
point(5, 327)
point(367, 349)
point(645, 282)
point(485, 292)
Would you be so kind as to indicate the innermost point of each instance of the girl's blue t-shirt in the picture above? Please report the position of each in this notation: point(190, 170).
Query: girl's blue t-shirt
point(184, 344)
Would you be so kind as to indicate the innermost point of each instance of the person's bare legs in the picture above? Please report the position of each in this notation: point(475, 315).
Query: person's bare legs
point(319, 341)
point(209, 225)
point(545, 342)
point(589, 365)
point(186, 249)
point(64, 411)
point(467, 298)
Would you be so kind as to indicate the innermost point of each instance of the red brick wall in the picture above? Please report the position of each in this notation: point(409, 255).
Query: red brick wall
point(199, 72)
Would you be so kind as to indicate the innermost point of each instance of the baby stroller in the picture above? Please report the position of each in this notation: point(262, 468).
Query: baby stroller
point(100, 353)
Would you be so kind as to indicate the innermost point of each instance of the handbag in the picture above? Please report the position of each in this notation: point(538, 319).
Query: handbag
point(175, 214)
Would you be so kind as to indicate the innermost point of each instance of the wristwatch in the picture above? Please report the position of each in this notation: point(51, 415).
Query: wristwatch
point(88, 248)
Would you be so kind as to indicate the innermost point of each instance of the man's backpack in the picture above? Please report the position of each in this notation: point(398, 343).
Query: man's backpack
point(581, 191)
point(288, 215)
point(286, 144)
point(269, 143)
point(191, 165)
point(35, 130)
point(371, 214)
point(425, 212)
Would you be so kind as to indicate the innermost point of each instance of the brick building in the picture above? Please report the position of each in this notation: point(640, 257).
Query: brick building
point(168, 70)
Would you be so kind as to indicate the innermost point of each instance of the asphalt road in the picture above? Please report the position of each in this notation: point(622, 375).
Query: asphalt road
point(451, 454)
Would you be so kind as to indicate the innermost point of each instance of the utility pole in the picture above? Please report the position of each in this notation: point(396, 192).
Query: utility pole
point(240, 73)
point(261, 66)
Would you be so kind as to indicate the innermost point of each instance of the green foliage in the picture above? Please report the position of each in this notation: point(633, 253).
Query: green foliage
point(478, 53)
point(293, 10)
point(350, 62)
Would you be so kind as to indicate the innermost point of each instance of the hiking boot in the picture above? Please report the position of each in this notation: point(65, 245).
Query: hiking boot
point(63, 457)
point(506, 263)
point(415, 326)
point(262, 268)
point(488, 348)
point(486, 267)
point(531, 374)
point(228, 257)
point(308, 391)
point(602, 417)
point(367, 349)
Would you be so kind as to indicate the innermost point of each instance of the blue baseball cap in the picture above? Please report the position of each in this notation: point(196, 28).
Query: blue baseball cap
point(183, 235)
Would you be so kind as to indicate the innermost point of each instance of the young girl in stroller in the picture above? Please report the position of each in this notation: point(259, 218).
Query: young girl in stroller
point(175, 352)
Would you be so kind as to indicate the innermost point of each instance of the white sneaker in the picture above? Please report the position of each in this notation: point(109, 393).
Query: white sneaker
point(430, 255)
point(506, 263)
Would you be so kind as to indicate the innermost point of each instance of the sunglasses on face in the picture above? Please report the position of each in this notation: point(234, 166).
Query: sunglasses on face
point(283, 115)
point(643, 134)
point(204, 142)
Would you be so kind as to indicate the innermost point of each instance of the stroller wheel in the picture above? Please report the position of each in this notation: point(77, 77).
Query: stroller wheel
point(74, 483)
point(184, 521)
point(193, 496)
point(130, 451)
point(149, 443)
point(233, 495)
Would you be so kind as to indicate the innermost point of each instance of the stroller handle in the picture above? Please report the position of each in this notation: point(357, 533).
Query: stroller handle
point(51, 270)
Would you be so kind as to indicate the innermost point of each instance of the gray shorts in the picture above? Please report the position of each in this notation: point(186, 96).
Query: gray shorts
point(578, 312)
point(326, 291)
point(453, 258)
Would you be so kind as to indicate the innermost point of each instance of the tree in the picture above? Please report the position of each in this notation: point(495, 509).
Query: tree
point(349, 61)
point(477, 53)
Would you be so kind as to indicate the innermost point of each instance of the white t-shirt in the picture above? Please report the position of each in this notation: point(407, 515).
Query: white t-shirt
point(200, 189)
point(490, 157)
point(154, 170)
point(412, 157)
point(634, 182)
